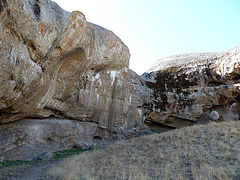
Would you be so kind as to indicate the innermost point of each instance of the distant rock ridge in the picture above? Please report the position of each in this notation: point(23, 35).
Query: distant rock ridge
point(182, 59)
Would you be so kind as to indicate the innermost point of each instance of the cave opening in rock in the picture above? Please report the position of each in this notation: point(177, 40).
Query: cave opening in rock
point(97, 138)
point(49, 140)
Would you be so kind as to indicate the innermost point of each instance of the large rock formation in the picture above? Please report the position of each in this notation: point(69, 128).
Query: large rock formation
point(56, 65)
point(65, 82)
point(194, 87)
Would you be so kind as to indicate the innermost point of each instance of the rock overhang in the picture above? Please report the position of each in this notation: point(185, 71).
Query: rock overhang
point(56, 66)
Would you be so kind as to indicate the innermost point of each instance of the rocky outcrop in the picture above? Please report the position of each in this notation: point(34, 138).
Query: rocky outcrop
point(194, 87)
point(56, 65)
point(65, 83)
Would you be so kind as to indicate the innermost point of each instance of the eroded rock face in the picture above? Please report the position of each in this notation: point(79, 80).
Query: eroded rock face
point(194, 87)
point(56, 64)
point(65, 81)
point(28, 139)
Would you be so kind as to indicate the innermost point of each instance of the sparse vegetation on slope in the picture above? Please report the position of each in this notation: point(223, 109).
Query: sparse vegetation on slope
point(198, 152)
point(34, 169)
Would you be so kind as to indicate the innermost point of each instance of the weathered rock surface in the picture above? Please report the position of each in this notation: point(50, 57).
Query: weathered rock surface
point(65, 82)
point(194, 87)
point(39, 137)
point(55, 64)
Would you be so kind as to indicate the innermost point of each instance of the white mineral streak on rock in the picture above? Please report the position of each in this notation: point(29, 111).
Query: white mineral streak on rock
point(97, 98)
point(130, 99)
point(113, 75)
point(140, 112)
point(96, 77)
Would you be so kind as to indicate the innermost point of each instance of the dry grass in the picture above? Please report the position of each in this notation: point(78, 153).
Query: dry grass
point(199, 152)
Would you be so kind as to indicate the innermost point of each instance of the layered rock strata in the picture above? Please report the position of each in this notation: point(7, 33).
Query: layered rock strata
point(194, 87)
point(55, 64)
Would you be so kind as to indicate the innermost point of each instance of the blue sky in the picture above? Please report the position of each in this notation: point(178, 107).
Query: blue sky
point(153, 29)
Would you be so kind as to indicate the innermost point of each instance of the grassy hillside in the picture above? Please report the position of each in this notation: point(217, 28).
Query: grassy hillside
point(199, 152)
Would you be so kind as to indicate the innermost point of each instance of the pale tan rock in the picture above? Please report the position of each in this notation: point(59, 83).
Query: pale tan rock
point(55, 64)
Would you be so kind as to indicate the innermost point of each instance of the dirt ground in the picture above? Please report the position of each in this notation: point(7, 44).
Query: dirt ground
point(27, 172)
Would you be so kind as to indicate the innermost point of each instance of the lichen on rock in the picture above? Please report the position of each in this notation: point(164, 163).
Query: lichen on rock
point(194, 87)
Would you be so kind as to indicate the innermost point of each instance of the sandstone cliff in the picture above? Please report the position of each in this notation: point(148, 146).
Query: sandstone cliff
point(194, 87)
point(65, 83)
point(56, 65)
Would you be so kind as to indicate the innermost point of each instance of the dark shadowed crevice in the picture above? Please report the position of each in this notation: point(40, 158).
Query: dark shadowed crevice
point(49, 140)
point(3, 4)
point(158, 127)
point(97, 138)
point(170, 123)
point(37, 10)
point(214, 83)
point(235, 76)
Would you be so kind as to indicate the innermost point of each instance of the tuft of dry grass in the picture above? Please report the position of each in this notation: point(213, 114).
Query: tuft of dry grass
point(199, 152)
